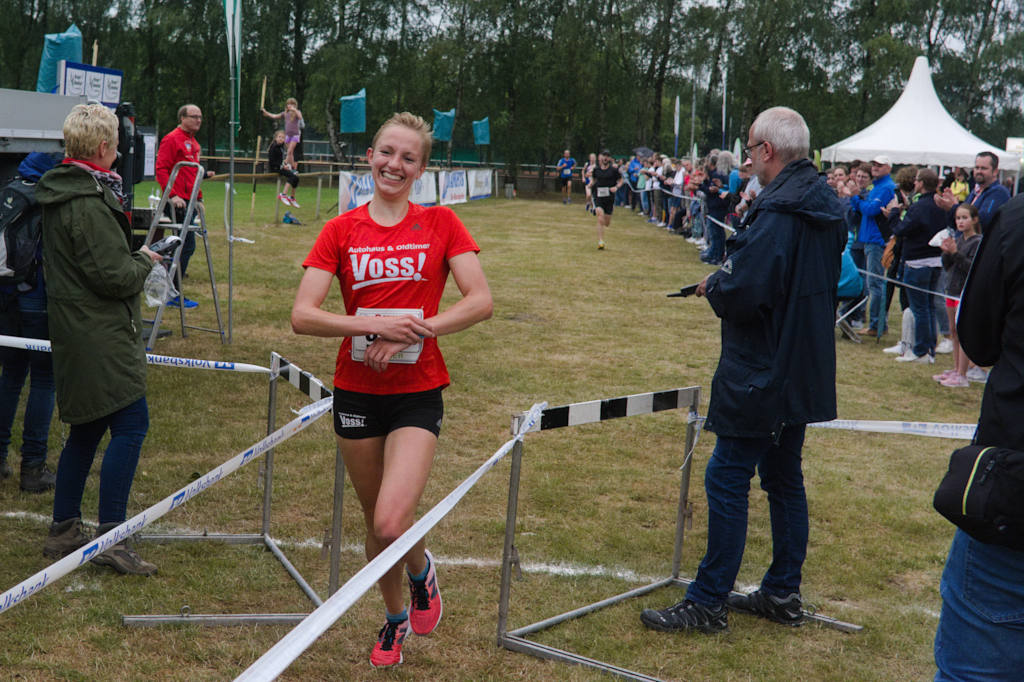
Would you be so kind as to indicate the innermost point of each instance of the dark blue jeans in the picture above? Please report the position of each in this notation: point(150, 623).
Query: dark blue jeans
point(128, 428)
point(878, 315)
point(26, 317)
point(922, 305)
point(716, 238)
point(981, 629)
point(727, 483)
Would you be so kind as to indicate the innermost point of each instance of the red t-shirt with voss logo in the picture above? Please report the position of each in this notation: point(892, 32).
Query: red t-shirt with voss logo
point(404, 266)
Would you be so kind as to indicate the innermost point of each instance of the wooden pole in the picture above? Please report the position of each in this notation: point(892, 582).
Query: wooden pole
point(256, 156)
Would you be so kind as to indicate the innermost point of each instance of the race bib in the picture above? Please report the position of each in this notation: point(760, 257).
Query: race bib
point(603, 192)
point(408, 356)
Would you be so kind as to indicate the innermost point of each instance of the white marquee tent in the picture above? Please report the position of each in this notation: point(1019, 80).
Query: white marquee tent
point(917, 129)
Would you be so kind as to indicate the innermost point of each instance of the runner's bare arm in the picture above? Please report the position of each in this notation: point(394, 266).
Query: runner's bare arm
point(309, 318)
point(474, 306)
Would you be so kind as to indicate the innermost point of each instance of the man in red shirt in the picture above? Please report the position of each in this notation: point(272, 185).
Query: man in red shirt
point(181, 145)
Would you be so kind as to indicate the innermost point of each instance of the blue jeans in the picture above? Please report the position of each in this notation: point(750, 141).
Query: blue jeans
point(716, 238)
point(645, 201)
point(922, 306)
point(26, 317)
point(876, 287)
point(727, 483)
point(128, 428)
point(981, 629)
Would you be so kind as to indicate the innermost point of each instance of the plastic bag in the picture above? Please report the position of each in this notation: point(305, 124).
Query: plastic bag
point(159, 287)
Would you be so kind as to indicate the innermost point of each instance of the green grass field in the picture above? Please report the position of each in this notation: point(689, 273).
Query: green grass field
point(571, 323)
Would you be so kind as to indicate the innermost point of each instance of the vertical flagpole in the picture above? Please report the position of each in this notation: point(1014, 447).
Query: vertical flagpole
point(693, 111)
point(725, 92)
point(675, 128)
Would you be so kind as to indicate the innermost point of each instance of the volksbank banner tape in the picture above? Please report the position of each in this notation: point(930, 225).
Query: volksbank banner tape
point(43, 346)
point(279, 657)
point(932, 429)
point(27, 588)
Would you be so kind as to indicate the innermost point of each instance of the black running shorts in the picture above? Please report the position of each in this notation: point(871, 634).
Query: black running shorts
point(367, 415)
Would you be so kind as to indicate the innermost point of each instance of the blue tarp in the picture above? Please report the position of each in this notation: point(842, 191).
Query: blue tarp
point(444, 121)
point(57, 46)
point(482, 131)
point(353, 112)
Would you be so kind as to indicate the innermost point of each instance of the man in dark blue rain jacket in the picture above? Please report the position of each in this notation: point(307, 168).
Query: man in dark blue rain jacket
point(776, 296)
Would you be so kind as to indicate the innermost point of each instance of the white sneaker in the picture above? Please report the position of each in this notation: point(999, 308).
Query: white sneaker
point(857, 324)
point(944, 346)
point(977, 374)
point(898, 349)
point(910, 357)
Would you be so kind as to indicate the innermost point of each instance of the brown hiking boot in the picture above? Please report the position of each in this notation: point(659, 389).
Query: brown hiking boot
point(64, 538)
point(122, 557)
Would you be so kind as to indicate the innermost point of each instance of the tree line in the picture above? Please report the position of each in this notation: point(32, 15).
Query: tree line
point(549, 74)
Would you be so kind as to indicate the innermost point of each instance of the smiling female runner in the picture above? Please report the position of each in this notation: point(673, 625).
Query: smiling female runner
point(392, 259)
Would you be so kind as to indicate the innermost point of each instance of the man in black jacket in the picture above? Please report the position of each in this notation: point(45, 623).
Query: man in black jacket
point(776, 296)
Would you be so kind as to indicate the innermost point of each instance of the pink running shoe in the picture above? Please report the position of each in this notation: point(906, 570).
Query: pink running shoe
point(388, 650)
point(425, 608)
point(955, 381)
point(945, 375)
point(292, 201)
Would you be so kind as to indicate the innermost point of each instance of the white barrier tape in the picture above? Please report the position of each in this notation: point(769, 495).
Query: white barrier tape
point(719, 222)
point(43, 346)
point(628, 184)
point(907, 286)
point(60, 568)
point(932, 429)
point(280, 656)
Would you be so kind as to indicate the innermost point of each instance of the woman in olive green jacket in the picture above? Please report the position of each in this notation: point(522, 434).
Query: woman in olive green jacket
point(99, 360)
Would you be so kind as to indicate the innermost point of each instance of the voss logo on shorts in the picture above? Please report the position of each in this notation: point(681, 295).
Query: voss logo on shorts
point(369, 269)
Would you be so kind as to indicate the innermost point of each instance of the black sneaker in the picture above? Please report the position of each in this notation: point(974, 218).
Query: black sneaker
point(37, 479)
point(122, 557)
point(788, 611)
point(685, 616)
point(64, 538)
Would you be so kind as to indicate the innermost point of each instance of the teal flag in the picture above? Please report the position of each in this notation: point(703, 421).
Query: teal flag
point(353, 112)
point(482, 131)
point(444, 121)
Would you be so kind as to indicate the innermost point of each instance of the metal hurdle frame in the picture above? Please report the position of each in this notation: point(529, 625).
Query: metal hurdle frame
point(280, 369)
point(586, 413)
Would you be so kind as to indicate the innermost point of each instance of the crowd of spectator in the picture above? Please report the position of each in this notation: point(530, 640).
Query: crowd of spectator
point(912, 234)
point(915, 232)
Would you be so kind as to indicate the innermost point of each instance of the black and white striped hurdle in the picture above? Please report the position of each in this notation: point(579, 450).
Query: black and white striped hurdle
point(280, 370)
point(587, 413)
point(298, 377)
point(574, 415)
point(614, 408)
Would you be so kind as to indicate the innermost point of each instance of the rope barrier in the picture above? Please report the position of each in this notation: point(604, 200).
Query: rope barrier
point(97, 546)
point(280, 656)
point(43, 346)
point(908, 286)
point(931, 429)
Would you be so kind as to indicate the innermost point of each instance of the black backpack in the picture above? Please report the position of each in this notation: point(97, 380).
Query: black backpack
point(20, 234)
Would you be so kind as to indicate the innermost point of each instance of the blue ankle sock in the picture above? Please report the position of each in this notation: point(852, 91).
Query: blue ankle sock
point(397, 618)
point(421, 576)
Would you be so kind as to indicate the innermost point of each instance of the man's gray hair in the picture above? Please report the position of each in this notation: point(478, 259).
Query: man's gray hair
point(786, 130)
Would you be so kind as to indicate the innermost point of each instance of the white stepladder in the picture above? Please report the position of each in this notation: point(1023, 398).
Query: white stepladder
point(193, 221)
point(586, 413)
